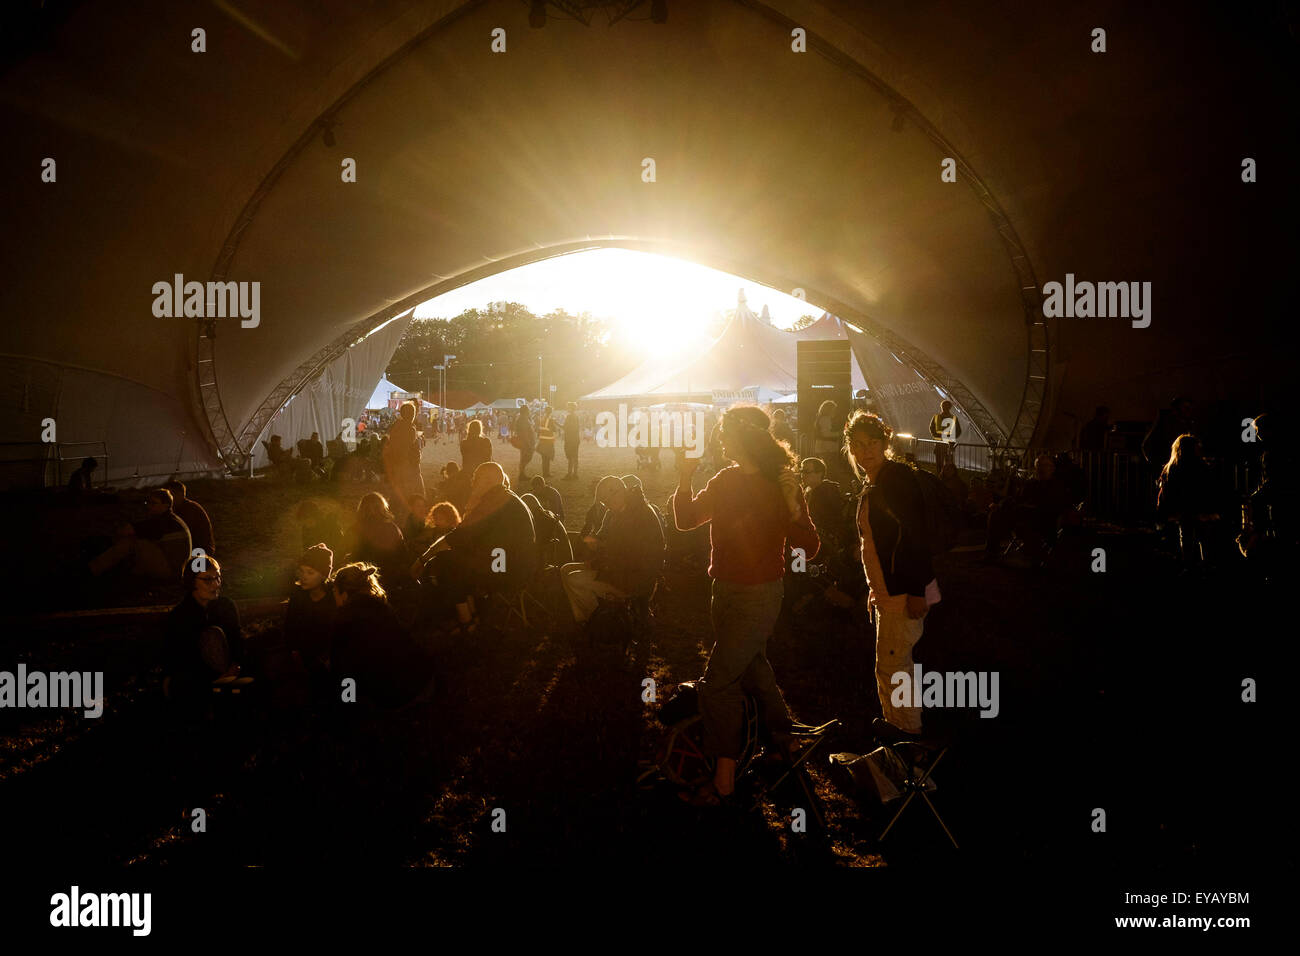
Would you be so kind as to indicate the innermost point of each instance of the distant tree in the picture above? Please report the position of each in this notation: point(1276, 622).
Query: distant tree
point(496, 351)
point(804, 321)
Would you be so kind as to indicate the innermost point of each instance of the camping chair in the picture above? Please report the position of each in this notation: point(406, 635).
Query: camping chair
point(518, 603)
point(681, 759)
point(1071, 518)
point(910, 752)
point(815, 739)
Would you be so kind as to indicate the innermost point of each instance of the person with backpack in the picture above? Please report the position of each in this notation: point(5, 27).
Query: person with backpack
point(896, 551)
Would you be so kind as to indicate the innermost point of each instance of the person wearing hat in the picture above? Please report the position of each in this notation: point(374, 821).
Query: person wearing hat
point(309, 619)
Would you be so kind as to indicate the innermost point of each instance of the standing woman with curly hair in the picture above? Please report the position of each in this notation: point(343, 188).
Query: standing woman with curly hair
point(895, 556)
point(754, 508)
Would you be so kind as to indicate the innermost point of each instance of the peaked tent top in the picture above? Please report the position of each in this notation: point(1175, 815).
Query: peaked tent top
point(748, 354)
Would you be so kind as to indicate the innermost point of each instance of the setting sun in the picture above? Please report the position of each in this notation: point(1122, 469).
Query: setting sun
point(661, 305)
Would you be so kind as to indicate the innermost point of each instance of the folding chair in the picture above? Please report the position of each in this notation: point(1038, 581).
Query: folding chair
point(817, 739)
point(915, 781)
point(682, 761)
point(516, 605)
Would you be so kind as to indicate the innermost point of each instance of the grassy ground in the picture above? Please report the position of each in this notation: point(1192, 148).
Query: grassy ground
point(553, 731)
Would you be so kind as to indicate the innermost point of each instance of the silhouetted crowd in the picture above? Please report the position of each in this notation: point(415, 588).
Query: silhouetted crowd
point(864, 523)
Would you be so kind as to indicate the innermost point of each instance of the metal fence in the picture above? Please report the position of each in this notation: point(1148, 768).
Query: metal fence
point(1121, 485)
point(34, 464)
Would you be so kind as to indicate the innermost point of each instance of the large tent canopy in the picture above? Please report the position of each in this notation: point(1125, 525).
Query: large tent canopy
point(748, 354)
point(818, 170)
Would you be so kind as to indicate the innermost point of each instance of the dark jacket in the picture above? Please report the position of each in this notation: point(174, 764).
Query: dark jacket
point(184, 624)
point(506, 524)
point(1190, 489)
point(631, 551)
point(171, 534)
point(552, 501)
point(595, 518)
point(382, 544)
point(552, 540)
point(896, 514)
point(827, 508)
point(523, 430)
point(200, 525)
point(373, 648)
point(309, 626)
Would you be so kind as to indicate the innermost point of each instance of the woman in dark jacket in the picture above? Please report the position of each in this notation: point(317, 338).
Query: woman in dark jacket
point(204, 638)
point(371, 646)
point(376, 539)
point(493, 549)
point(895, 556)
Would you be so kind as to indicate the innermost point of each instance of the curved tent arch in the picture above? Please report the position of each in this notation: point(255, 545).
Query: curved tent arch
point(819, 167)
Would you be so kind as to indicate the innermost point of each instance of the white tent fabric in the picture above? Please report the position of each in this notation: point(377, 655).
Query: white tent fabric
point(903, 399)
point(383, 391)
point(749, 354)
point(340, 392)
point(147, 435)
point(873, 234)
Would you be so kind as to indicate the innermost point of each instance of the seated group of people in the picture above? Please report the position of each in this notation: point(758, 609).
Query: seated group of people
point(158, 547)
point(1033, 512)
point(329, 460)
point(338, 626)
point(626, 547)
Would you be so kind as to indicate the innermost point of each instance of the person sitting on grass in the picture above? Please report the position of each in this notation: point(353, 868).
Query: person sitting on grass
point(371, 646)
point(633, 484)
point(157, 547)
point(627, 552)
point(194, 516)
point(82, 480)
point(309, 619)
point(493, 549)
point(376, 539)
point(455, 485)
point(204, 640)
point(552, 540)
point(549, 496)
point(416, 530)
point(1032, 514)
point(443, 517)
